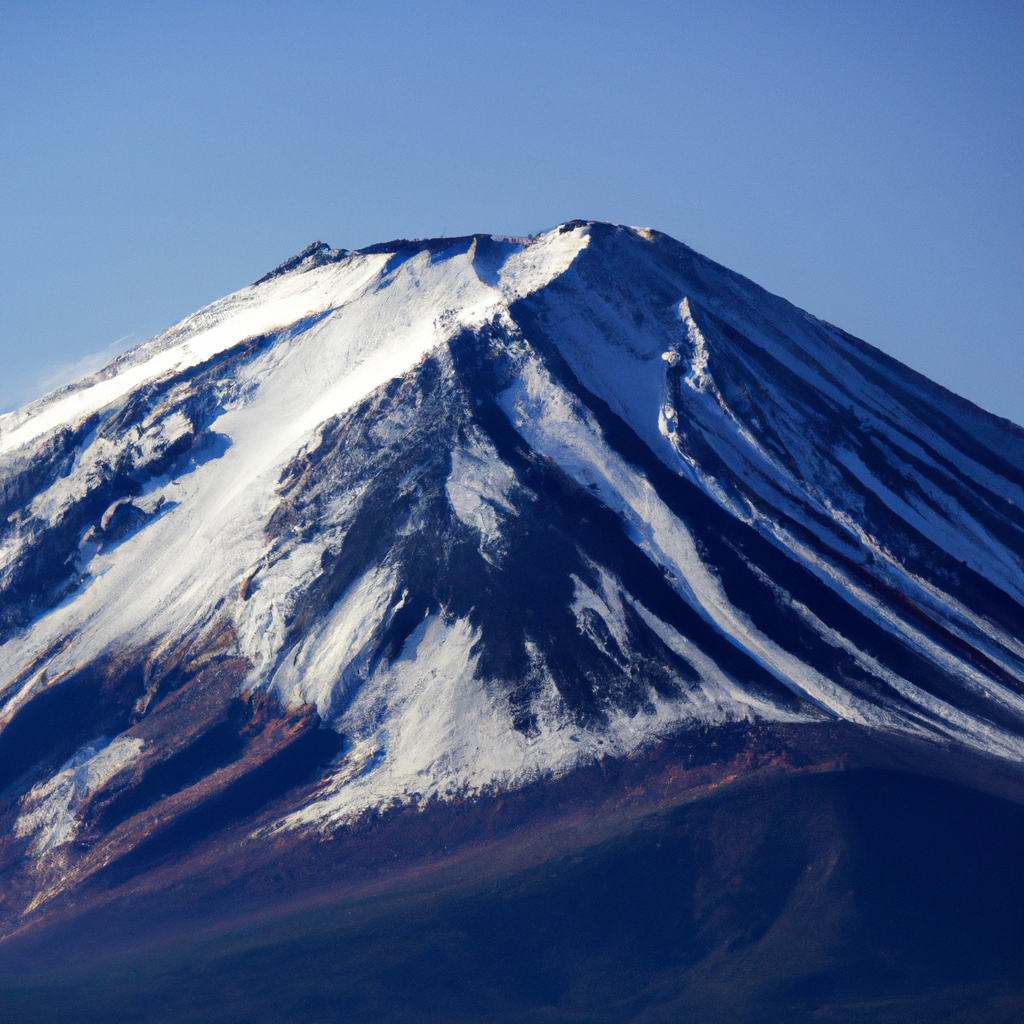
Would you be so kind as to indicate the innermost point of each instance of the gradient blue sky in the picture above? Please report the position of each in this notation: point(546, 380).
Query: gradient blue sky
point(865, 160)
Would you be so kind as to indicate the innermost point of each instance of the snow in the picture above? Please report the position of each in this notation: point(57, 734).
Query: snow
point(719, 689)
point(427, 728)
point(718, 698)
point(424, 726)
point(555, 424)
point(943, 716)
point(171, 576)
point(697, 377)
point(616, 356)
point(257, 311)
point(607, 605)
point(331, 661)
point(549, 256)
point(49, 809)
point(479, 488)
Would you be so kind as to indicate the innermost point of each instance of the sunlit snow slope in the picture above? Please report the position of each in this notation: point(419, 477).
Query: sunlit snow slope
point(441, 518)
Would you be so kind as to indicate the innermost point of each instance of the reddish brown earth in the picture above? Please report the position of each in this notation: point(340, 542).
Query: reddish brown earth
point(166, 872)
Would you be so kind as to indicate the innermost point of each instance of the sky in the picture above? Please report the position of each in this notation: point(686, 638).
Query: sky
point(865, 159)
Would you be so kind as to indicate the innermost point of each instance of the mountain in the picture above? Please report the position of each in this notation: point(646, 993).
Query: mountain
point(442, 552)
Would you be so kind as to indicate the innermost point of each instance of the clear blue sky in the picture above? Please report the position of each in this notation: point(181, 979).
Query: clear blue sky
point(865, 160)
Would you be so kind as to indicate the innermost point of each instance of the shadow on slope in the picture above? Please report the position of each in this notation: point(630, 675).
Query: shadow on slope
point(859, 896)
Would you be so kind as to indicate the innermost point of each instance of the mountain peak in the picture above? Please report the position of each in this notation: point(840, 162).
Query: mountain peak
point(316, 254)
point(436, 523)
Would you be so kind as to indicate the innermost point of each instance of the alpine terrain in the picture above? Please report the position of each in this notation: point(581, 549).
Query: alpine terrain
point(510, 628)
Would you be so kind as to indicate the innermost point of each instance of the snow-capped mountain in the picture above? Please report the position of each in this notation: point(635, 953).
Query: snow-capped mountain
point(435, 522)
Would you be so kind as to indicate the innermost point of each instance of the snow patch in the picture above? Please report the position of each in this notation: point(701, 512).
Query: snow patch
point(427, 728)
point(555, 424)
point(697, 377)
point(253, 312)
point(50, 809)
point(546, 257)
point(479, 489)
point(333, 659)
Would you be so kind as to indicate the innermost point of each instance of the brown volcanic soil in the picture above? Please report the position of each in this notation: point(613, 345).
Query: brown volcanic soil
point(790, 894)
point(184, 883)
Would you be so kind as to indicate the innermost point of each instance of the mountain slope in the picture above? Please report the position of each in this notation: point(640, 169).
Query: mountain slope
point(436, 522)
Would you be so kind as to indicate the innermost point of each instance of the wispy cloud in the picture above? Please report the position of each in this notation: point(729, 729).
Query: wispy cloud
point(49, 378)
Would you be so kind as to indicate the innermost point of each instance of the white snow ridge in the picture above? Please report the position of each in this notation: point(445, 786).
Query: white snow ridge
point(483, 511)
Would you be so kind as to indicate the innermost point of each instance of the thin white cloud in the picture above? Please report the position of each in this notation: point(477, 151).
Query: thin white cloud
point(16, 393)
